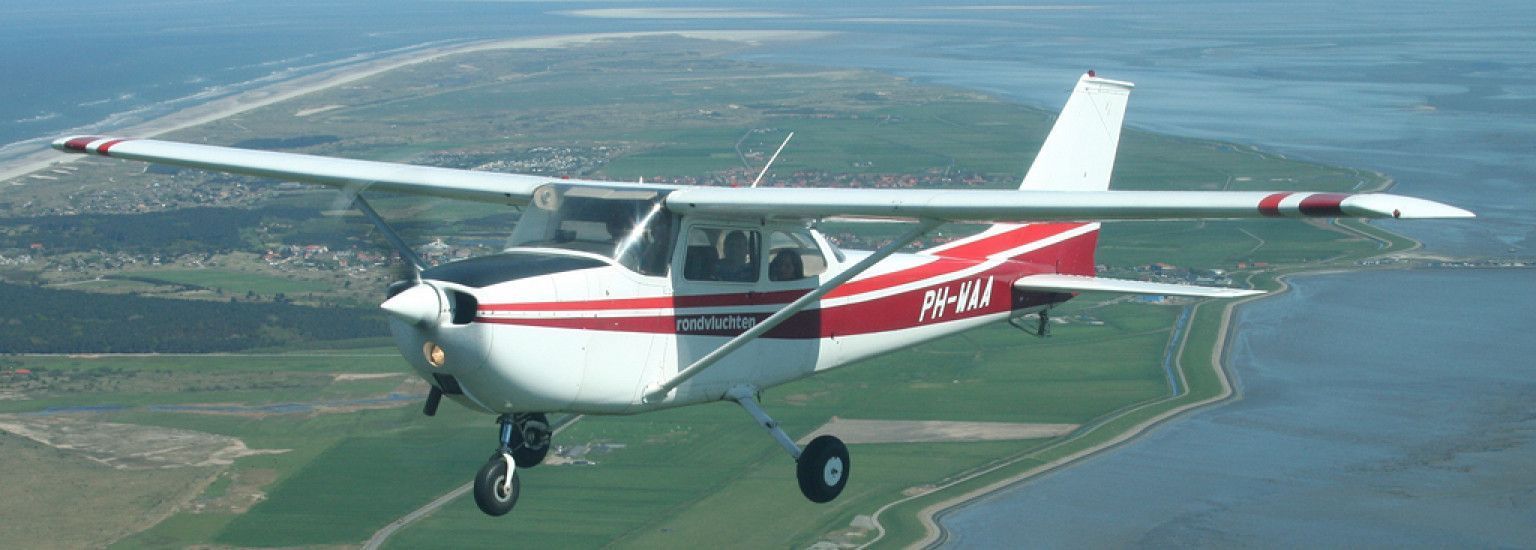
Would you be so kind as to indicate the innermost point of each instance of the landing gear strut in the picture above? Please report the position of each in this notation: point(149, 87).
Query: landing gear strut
point(524, 444)
point(822, 467)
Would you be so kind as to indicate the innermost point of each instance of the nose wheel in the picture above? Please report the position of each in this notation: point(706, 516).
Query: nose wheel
point(497, 485)
point(525, 441)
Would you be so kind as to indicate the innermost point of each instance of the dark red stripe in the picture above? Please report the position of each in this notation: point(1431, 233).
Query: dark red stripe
point(659, 302)
point(1270, 206)
point(885, 314)
point(1323, 204)
point(896, 312)
point(79, 143)
point(102, 149)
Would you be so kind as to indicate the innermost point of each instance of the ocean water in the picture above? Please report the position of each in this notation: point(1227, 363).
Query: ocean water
point(1380, 408)
point(1351, 431)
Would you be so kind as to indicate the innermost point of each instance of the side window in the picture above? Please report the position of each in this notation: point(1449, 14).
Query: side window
point(722, 254)
point(794, 256)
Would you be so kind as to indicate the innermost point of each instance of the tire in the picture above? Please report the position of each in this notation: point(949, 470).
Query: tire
point(528, 458)
point(823, 469)
point(526, 455)
point(489, 495)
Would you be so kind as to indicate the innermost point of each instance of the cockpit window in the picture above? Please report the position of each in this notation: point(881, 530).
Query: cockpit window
point(628, 225)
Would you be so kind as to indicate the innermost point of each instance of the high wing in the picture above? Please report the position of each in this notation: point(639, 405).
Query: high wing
point(1025, 205)
point(1052, 282)
point(336, 172)
point(814, 203)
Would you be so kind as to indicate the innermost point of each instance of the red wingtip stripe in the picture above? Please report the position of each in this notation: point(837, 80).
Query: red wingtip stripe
point(1270, 206)
point(79, 143)
point(1323, 204)
point(102, 149)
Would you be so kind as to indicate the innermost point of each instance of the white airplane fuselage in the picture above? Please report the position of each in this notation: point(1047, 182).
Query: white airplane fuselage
point(592, 340)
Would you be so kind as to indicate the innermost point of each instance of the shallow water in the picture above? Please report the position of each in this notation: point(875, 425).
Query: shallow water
point(1349, 432)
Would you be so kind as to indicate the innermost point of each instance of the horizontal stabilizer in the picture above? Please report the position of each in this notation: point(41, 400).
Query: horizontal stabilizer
point(1052, 282)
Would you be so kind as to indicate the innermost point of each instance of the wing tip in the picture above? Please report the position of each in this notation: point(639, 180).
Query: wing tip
point(1382, 205)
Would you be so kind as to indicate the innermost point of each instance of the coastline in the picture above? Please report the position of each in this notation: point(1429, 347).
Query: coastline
point(934, 534)
point(928, 517)
point(304, 85)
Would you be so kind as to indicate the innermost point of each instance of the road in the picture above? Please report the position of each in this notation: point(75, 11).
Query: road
point(377, 541)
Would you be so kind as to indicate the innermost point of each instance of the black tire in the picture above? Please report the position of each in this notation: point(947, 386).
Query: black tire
point(527, 457)
point(489, 495)
point(524, 450)
point(823, 469)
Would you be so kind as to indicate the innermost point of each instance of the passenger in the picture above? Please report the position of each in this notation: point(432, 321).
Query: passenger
point(786, 266)
point(736, 261)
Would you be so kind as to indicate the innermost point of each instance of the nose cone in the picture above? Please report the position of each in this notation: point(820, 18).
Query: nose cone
point(419, 305)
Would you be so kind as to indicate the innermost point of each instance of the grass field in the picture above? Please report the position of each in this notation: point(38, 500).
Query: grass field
point(230, 282)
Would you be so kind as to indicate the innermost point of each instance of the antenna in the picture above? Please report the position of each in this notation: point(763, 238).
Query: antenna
point(771, 159)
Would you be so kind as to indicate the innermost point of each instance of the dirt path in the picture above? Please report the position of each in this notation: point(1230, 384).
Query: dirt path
point(382, 535)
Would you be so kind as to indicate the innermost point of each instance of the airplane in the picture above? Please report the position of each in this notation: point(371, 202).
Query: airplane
point(617, 298)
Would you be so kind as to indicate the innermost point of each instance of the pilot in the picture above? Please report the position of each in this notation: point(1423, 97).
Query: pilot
point(618, 227)
point(736, 262)
point(786, 266)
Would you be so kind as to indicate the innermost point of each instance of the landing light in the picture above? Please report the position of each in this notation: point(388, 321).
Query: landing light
point(434, 354)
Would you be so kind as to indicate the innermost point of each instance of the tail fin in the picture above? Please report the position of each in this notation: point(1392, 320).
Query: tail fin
point(1079, 153)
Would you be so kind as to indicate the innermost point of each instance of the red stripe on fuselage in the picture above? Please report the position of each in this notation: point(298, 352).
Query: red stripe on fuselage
point(1001, 242)
point(895, 312)
point(943, 263)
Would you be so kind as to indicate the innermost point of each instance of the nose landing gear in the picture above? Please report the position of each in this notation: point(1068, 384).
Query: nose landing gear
point(525, 441)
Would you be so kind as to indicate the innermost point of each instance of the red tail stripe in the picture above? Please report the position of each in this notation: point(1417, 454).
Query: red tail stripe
point(1014, 238)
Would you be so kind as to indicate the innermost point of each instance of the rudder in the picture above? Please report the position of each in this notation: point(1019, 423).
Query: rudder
point(1079, 153)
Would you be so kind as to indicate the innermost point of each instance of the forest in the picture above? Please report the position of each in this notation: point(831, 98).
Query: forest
point(42, 320)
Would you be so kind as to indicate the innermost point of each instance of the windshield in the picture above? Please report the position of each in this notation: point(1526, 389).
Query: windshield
point(628, 225)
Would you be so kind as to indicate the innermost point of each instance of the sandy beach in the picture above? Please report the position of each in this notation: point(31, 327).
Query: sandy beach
point(289, 89)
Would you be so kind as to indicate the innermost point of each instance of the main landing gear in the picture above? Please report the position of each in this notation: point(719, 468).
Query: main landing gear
point(524, 444)
point(821, 467)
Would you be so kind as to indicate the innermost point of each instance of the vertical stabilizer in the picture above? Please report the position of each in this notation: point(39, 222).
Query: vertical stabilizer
point(1079, 153)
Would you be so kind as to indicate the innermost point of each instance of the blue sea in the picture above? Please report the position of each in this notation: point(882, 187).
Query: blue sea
point(1383, 408)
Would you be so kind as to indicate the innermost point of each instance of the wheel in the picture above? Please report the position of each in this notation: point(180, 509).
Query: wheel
point(491, 495)
point(527, 457)
point(531, 440)
point(823, 469)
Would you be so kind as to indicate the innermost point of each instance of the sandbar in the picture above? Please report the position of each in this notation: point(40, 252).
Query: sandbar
point(289, 89)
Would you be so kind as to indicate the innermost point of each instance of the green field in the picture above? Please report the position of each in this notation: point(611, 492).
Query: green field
point(235, 282)
point(698, 475)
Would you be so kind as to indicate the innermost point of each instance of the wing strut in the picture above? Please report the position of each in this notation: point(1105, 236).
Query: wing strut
point(389, 234)
point(661, 390)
